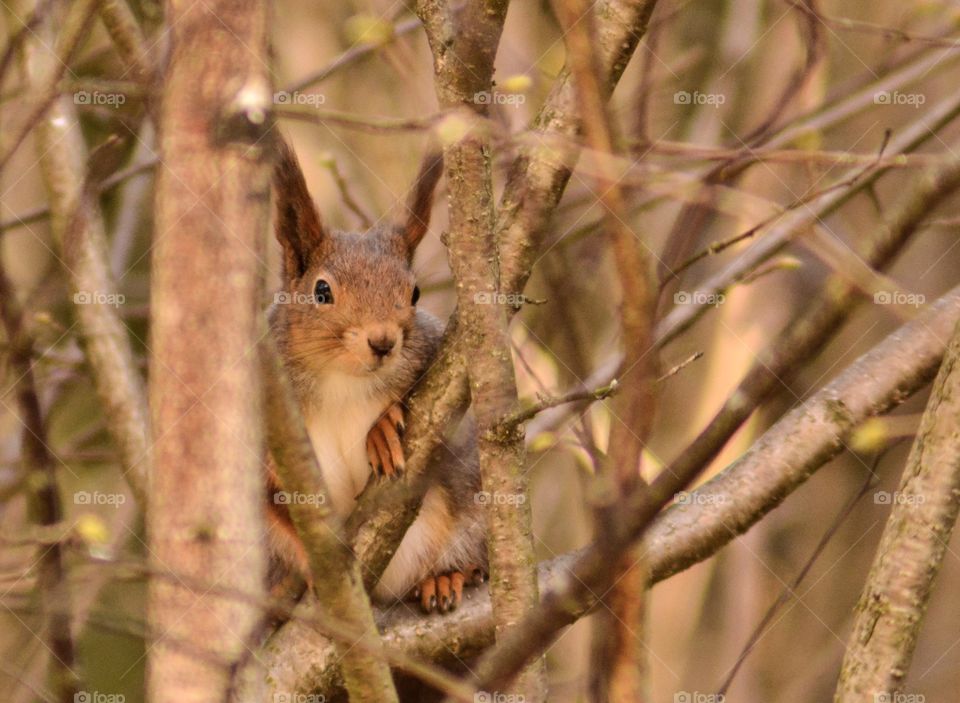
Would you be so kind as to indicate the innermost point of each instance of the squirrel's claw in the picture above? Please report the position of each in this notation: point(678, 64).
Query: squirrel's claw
point(443, 593)
point(384, 451)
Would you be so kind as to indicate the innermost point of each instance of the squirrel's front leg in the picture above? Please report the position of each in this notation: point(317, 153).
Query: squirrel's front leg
point(384, 450)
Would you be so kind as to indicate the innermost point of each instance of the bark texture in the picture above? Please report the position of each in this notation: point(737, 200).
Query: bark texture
point(916, 536)
point(205, 514)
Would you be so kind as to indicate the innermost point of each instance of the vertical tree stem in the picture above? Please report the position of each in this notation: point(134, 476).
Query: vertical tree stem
point(205, 517)
point(464, 41)
point(618, 665)
point(894, 599)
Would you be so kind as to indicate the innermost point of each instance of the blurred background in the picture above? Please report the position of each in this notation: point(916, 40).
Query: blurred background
point(708, 77)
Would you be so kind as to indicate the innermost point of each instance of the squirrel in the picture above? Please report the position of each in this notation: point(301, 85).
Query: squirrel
point(354, 344)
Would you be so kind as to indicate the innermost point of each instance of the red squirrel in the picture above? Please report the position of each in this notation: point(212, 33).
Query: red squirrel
point(354, 344)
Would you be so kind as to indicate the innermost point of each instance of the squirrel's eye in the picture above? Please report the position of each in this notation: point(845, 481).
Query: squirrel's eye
point(416, 295)
point(322, 295)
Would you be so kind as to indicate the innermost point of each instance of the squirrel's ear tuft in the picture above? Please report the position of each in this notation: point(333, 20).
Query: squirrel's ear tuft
point(421, 201)
point(298, 226)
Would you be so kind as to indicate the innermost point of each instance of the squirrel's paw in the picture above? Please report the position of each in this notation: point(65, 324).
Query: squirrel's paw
point(384, 451)
point(442, 593)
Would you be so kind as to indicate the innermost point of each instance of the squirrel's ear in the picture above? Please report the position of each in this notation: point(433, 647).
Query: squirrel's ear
point(421, 201)
point(298, 226)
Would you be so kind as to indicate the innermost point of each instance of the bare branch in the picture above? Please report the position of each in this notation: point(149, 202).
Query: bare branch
point(123, 28)
point(781, 459)
point(336, 574)
point(894, 600)
point(535, 183)
point(205, 518)
point(468, 36)
point(785, 457)
point(682, 317)
point(818, 321)
point(352, 55)
point(618, 666)
point(42, 497)
point(46, 69)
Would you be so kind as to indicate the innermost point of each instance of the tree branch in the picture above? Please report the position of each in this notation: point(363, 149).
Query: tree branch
point(720, 510)
point(336, 574)
point(78, 226)
point(464, 42)
point(618, 665)
point(43, 499)
point(814, 433)
point(205, 519)
point(683, 317)
point(124, 30)
point(819, 320)
point(534, 185)
point(894, 600)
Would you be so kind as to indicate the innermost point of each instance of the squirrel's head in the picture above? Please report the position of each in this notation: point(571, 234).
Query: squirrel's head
point(348, 299)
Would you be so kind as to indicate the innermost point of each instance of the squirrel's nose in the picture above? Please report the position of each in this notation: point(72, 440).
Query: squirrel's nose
point(382, 345)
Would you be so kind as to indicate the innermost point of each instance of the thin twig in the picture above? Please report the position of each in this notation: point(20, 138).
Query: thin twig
point(351, 56)
point(780, 460)
point(364, 123)
point(788, 589)
point(727, 506)
point(345, 195)
point(75, 30)
point(43, 498)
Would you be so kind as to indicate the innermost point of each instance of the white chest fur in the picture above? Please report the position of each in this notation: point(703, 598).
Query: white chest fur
point(338, 419)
